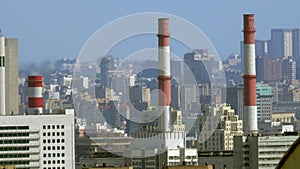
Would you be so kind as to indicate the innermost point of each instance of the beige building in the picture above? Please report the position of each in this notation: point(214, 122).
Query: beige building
point(217, 127)
point(284, 117)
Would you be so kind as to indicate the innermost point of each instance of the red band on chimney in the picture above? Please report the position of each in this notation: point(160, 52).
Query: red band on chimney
point(249, 29)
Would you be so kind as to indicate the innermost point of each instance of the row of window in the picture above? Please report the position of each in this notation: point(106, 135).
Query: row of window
point(54, 141)
point(14, 141)
point(53, 127)
point(54, 134)
point(14, 127)
point(54, 168)
point(14, 134)
point(13, 148)
point(54, 162)
point(13, 155)
point(13, 162)
point(54, 148)
point(54, 155)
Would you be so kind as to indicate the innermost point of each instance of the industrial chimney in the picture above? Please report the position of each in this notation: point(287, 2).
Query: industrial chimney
point(250, 108)
point(35, 94)
point(164, 75)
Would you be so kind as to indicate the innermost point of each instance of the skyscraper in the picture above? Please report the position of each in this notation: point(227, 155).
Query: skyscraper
point(281, 43)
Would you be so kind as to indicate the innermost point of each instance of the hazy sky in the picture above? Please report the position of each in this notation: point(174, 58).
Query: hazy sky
point(48, 30)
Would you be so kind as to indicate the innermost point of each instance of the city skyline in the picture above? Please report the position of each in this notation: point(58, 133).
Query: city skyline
point(66, 26)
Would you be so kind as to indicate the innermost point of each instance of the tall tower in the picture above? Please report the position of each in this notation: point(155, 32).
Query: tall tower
point(250, 108)
point(35, 96)
point(164, 76)
point(2, 75)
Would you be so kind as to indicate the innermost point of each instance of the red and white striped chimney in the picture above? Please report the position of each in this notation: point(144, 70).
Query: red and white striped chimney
point(164, 76)
point(35, 94)
point(250, 108)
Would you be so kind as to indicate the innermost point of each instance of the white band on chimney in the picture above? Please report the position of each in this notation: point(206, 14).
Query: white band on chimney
point(249, 60)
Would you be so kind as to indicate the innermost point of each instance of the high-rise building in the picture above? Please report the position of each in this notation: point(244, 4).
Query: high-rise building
point(217, 127)
point(235, 97)
point(281, 43)
point(289, 68)
point(268, 69)
point(264, 101)
point(11, 76)
point(38, 141)
point(140, 97)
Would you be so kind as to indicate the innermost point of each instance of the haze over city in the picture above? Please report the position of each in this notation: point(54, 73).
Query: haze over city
point(56, 29)
point(149, 85)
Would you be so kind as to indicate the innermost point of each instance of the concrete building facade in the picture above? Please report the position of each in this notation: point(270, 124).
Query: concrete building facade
point(37, 141)
point(12, 100)
point(260, 152)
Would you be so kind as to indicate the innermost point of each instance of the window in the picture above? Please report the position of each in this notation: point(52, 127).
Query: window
point(58, 140)
point(53, 126)
point(57, 127)
point(44, 147)
point(53, 133)
point(49, 148)
point(53, 147)
point(45, 162)
point(58, 155)
point(63, 147)
point(62, 126)
point(63, 154)
point(62, 140)
point(44, 134)
point(48, 134)
point(44, 127)
point(63, 161)
point(53, 140)
point(57, 133)
point(44, 141)
point(44, 155)
point(58, 148)
point(48, 127)
point(62, 133)
point(49, 162)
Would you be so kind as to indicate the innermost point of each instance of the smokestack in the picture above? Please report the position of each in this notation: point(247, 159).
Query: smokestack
point(250, 108)
point(164, 76)
point(2, 75)
point(35, 96)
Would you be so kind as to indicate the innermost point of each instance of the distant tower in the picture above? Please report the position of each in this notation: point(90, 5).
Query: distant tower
point(2, 75)
point(164, 76)
point(35, 96)
point(250, 108)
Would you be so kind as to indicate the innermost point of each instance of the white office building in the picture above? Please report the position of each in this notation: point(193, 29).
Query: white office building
point(38, 141)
